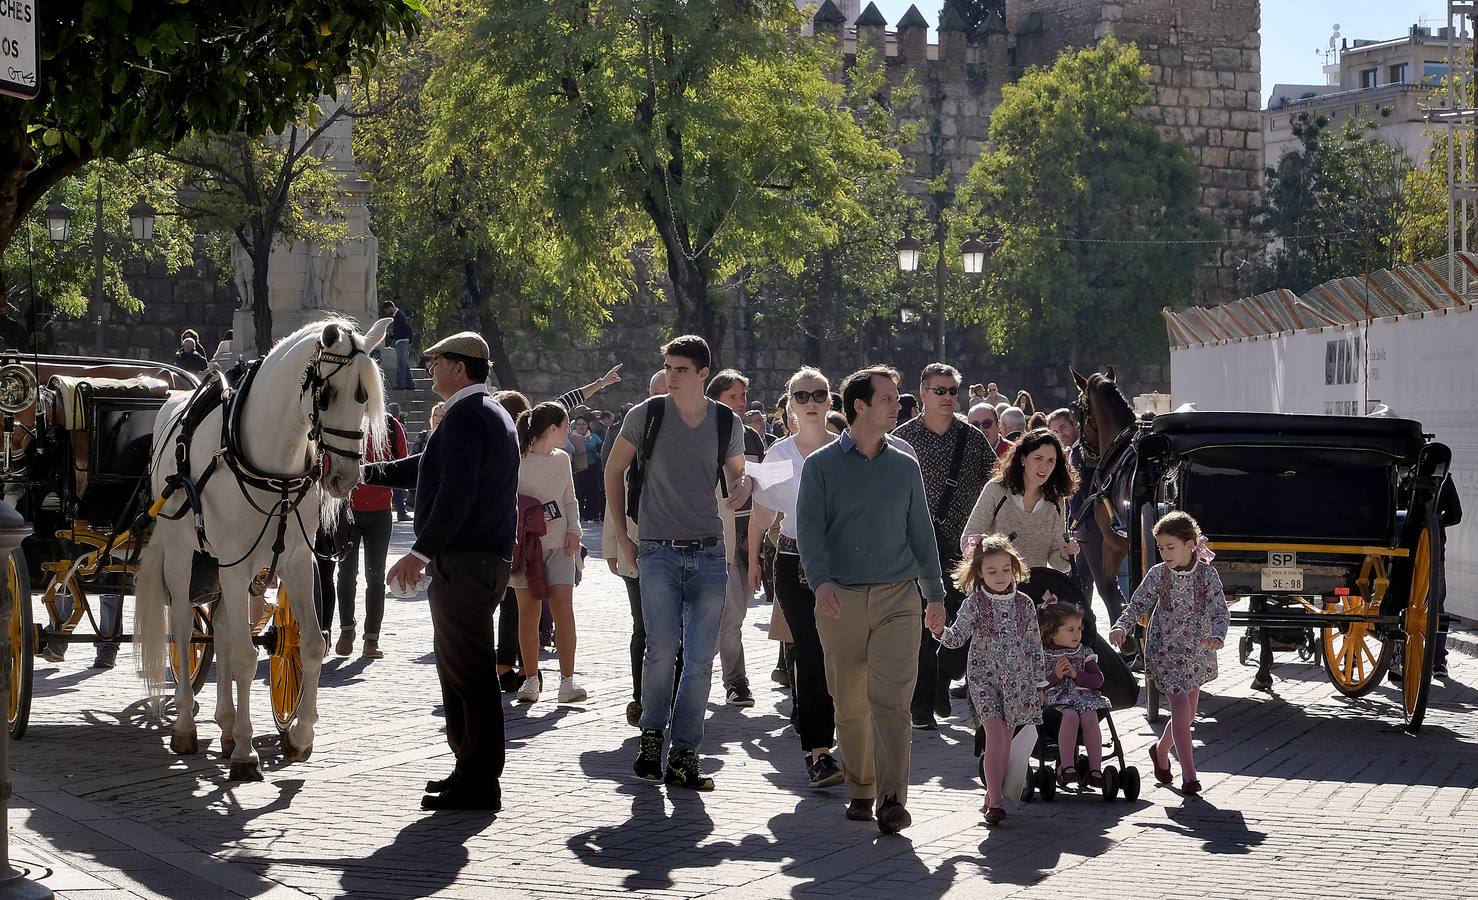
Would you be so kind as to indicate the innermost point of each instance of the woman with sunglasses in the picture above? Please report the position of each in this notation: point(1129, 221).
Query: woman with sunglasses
point(812, 713)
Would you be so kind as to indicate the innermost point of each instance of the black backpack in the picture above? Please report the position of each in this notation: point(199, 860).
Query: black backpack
point(636, 475)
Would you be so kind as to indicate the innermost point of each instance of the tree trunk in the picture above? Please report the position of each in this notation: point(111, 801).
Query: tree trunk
point(261, 299)
point(487, 319)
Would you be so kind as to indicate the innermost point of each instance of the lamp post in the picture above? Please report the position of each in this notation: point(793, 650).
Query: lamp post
point(973, 257)
point(58, 226)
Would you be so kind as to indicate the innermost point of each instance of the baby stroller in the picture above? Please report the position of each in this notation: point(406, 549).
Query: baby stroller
point(1119, 686)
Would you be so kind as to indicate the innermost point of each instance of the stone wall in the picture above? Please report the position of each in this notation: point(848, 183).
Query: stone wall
point(193, 298)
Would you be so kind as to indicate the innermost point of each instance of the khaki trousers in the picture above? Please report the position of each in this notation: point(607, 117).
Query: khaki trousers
point(872, 655)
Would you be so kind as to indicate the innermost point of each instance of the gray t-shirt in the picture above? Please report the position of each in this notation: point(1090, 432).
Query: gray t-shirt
point(677, 498)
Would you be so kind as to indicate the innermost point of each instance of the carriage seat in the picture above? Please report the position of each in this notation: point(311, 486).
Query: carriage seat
point(73, 395)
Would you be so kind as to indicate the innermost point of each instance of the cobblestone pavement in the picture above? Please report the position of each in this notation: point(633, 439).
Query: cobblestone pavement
point(1307, 795)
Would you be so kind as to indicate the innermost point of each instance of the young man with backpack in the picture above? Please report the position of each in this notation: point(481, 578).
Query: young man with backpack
point(682, 444)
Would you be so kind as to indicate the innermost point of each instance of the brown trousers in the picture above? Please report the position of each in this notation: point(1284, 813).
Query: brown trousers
point(872, 655)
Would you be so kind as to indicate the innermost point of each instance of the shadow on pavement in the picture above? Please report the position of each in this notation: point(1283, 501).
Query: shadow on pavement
point(1219, 830)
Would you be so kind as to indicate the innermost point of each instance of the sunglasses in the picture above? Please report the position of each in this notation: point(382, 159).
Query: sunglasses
point(816, 396)
point(983, 423)
point(941, 391)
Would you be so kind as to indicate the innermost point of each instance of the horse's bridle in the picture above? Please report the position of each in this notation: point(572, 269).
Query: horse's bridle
point(316, 381)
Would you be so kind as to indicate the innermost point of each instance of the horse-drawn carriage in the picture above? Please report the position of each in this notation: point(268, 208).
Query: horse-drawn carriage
point(1327, 525)
point(92, 460)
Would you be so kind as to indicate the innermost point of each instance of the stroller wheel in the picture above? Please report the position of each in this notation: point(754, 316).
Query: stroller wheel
point(1029, 790)
point(1129, 784)
point(1047, 783)
point(1110, 783)
point(1244, 648)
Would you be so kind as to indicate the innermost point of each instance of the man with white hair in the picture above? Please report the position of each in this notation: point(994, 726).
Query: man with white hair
point(1013, 423)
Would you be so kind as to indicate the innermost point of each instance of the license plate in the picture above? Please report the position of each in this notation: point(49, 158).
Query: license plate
point(1282, 578)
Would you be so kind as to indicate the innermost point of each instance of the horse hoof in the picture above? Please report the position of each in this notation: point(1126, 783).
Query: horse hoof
point(1261, 683)
point(246, 771)
point(293, 753)
point(184, 744)
point(228, 746)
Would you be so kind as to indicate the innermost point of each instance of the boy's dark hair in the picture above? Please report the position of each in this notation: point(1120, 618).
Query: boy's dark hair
point(859, 386)
point(1178, 525)
point(724, 380)
point(690, 347)
point(1011, 468)
point(1051, 616)
point(477, 369)
point(387, 308)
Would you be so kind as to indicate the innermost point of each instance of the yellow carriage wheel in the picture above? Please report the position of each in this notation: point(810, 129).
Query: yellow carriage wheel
point(22, 644)
point(1419, 622)
point(285, 665)
point(1354, 653)
point(200, 653)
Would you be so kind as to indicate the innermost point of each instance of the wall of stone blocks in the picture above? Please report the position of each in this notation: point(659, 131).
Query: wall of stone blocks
point(193, 298)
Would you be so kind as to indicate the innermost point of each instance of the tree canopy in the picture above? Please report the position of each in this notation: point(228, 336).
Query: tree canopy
point(1093, 218)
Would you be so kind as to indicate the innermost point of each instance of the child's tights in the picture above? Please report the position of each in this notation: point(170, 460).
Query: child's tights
point(1067, 739)
point(997, 758)
point(1177, 734)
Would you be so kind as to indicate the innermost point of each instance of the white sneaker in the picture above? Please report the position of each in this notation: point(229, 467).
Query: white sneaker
point(570, 690)
point(529, 691)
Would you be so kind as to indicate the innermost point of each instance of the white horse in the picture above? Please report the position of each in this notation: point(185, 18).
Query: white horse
point(316, 396)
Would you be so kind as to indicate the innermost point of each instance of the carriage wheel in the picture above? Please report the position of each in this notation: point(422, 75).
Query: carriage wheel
point(200, 654)
point(285, 665)
point(1419, 621)
point(1354, 653)
point(22, 644)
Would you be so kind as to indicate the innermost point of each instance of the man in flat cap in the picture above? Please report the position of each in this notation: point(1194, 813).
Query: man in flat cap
point(466, 483)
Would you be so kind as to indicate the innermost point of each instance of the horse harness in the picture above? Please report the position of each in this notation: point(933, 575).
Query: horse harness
point(216, 391)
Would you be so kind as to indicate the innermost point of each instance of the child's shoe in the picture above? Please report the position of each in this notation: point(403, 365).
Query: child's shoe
point(995, 816)
point(1094, 778)
point(1067, 776)
point(1162, 773)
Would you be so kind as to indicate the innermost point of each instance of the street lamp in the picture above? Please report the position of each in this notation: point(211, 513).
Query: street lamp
point(972, 255)
point(908, 255)
point(58, 225)
point(973, 252)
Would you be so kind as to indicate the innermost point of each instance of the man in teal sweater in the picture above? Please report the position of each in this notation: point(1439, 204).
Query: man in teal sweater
point(867, 544)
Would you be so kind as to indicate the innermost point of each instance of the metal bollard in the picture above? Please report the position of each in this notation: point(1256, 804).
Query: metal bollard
point(13, 884)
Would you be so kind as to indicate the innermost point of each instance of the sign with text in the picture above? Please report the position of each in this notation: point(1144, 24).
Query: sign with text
point(18, 67)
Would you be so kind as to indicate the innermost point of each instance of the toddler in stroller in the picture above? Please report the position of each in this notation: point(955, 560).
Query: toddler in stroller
point(1087, 679)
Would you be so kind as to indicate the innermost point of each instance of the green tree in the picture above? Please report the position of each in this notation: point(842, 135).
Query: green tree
point(1092, 216)
point(1332, 205)
point(119, 76)
point(708, 131)
point(47, 281)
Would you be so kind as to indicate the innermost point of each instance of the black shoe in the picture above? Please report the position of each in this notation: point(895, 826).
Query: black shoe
point(923, 719)
point(892, 816)
point(942, 709)
point(441, 785)
point(682, 771)
point(509, 681)
point(1439, 670)
point(959, 692)
point(823, 771)
point(648, 765)
point(464, 798)
point(633, 714)
point(107, 658)
point(739, 694)
point(860, 810)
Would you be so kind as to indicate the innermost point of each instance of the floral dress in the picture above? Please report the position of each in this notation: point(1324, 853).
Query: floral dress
point(1079, 692)
point(1185, 608)
point(1005, 665)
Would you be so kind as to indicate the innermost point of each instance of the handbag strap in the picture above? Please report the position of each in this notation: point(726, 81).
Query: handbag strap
point(952, 480)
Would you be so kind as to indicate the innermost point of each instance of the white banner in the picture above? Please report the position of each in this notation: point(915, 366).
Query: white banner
point(18, 76)
point(1424, 367)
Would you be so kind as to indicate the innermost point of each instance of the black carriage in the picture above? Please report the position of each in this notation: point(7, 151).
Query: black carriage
point(1326, 523)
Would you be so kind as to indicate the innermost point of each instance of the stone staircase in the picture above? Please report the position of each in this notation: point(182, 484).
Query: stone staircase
point(415, 406)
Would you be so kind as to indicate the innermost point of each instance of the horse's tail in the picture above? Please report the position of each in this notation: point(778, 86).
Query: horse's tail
point(151, 616)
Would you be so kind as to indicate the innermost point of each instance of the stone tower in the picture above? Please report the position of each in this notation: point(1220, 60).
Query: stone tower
point(1205, 91)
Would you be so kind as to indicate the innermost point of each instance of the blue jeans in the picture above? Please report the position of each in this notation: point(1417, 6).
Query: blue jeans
point(403, 377)
point(682, 601)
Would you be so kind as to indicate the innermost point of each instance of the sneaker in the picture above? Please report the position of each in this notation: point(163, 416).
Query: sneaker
point(529, 692)
point(739, 694)
point(923, 719)
point(633, 714)
point(372, 649)
point(54, 652)
point(570, 690)
point(648, 765)
point(345, 645)
point(892, 816)
point(823, 771)
point(107, 658)
point(682, 771)
point(1439, 670)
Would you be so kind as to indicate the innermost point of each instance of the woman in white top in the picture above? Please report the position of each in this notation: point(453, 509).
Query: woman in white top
point(812, 713)
point(544, 474)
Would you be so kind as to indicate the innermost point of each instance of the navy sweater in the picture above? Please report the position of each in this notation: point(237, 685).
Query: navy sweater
point(466, 481)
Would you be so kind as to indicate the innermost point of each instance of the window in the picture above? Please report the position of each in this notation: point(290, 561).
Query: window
point(1369, 78)
point(1434, 72)
point(1398, 74)
point(1342, 361)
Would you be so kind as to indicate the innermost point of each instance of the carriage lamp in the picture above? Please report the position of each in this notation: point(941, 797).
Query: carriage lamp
point(17, 388)
point(58, 221)
point(908, 255)
point(141, 217)
point(973, 252)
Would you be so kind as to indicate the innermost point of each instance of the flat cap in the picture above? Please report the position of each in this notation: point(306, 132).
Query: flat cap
point(463, 343)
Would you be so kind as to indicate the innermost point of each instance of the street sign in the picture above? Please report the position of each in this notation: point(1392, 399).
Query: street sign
point(18, 68)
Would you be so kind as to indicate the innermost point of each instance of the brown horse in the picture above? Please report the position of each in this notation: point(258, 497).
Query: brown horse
point(1105, 416)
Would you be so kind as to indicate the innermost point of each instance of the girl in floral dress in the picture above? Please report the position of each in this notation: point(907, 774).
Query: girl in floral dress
point(1188, 623)
point(1073, 680)
point(1005, 663)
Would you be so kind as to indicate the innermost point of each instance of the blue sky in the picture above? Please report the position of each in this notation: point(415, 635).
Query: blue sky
point(1292, 30)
